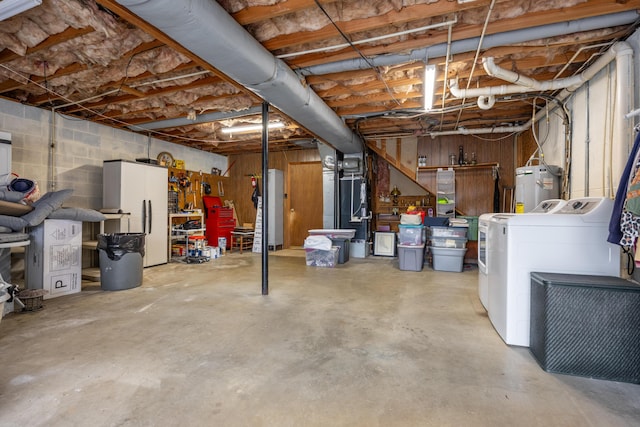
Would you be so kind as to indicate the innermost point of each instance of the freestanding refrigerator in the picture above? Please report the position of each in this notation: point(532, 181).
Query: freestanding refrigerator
point(141, 190)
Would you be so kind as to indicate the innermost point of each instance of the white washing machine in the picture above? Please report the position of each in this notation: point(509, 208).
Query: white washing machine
point(549, 206)
point(546, 206)
point(483, 260)
point(573, 240)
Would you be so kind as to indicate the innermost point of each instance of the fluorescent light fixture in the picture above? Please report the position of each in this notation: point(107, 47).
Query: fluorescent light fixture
point(9, 8)
point(428, 84)
point(251, 128)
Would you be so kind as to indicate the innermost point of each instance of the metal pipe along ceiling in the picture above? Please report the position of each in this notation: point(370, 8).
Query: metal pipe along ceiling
point(471, 44)
point(206, 29)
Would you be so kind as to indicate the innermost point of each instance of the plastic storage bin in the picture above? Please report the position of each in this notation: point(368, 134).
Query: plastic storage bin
point(448, 231)
point(322, 258)
point(359, 248)
point(472, 233)
point(448, 259)
point(411, 235)
point(120, 257)
point(436, 221)
point(411, 257)
point(449, 242)
point(343, 244)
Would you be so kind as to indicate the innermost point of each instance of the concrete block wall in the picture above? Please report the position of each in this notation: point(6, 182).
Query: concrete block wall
point(61, 152)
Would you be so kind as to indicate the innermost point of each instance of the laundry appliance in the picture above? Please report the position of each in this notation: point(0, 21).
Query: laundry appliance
point(571, 240)
point(546, 206)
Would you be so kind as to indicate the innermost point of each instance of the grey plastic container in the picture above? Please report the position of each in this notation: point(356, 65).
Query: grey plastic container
point(343, 244)
point(410, 257)
point(121, 260)
point(448, 259)
point(125, 273)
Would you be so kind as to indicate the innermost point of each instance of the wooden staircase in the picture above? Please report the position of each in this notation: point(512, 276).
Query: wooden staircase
point(396, 163)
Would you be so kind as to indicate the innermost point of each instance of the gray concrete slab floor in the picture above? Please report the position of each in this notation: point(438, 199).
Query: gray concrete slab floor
point(362, 344)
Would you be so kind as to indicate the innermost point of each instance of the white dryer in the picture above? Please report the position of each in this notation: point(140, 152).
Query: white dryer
point(546, 206)
point(549, 206)
point(570, 240)
point(483, 258)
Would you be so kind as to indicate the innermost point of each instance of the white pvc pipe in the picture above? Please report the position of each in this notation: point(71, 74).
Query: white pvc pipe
point(625, 89)
point(524, 84)
point(369, 40)
point(486, 102)
point(501, 129)
point(622, 53)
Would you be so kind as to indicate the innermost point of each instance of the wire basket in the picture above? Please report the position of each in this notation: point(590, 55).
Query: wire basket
point(32, 299)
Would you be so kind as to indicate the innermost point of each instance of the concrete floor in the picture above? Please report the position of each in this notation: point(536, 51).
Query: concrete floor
point(363, 344)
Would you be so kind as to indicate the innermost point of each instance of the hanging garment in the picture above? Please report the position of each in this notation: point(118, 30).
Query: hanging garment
point(629, 227)
point(496, 194)
point(255, 195)
point(615, 230)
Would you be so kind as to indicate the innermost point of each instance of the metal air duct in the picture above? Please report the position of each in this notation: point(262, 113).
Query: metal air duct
point(471, 44)
point(206, 29)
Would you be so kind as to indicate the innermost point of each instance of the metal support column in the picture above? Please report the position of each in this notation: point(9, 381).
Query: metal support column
point(265, 198)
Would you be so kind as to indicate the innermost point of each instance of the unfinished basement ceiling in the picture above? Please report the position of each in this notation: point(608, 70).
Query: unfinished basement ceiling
point(98, 61)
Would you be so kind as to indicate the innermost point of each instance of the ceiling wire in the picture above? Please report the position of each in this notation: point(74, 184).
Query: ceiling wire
point(446, 71)
point(46, 81)
point(477, 55)
point(98, 114)
point(359, 52)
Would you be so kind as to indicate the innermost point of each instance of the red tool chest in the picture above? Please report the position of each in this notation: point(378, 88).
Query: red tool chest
point(219, 221)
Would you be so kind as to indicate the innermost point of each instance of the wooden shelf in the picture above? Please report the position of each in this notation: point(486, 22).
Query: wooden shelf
point(458, 168)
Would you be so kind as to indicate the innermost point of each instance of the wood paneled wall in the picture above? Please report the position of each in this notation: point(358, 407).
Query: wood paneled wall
point(192, 194)
point(242, 167)
point(475, 187)
point(525, 148)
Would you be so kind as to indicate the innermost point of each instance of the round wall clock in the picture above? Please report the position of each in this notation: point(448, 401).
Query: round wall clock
point(165, 159)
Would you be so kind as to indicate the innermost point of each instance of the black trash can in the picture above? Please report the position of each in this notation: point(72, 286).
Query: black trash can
point(120, 260)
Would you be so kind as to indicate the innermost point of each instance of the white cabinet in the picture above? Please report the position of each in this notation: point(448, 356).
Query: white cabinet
point(141, 190)
point(446, 192)
point(276, 208)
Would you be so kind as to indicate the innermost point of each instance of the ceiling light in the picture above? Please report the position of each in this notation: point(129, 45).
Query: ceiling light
point(428, 85)
point(9, 8)
point(251, 128)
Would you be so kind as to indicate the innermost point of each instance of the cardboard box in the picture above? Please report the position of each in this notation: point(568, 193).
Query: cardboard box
point(53, 259)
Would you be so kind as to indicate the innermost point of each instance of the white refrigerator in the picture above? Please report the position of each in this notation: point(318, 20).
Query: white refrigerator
point(141, 190)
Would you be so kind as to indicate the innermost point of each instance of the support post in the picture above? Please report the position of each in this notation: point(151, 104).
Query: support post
point(265, 198)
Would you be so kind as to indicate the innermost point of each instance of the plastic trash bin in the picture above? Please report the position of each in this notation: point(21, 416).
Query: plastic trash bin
point(120, 260)
point(343, 244)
